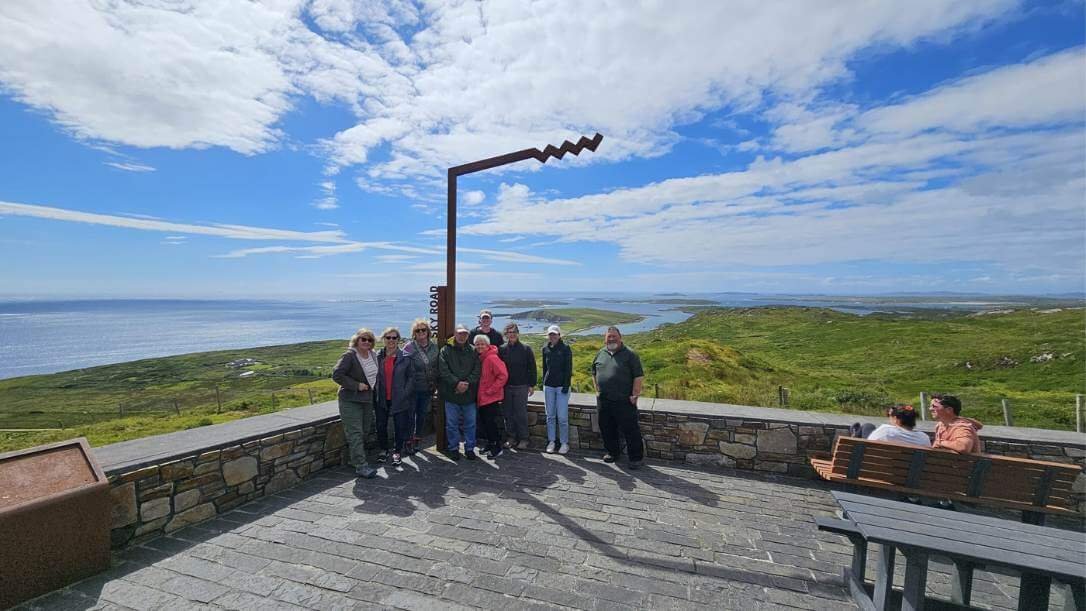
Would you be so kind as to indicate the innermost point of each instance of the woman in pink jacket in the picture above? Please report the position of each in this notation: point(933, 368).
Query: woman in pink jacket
point(491, 391)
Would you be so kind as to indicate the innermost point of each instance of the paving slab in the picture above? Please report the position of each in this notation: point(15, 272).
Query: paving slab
point(529, 531)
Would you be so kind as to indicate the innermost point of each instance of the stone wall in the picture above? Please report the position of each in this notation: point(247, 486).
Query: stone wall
point(162, 498)
point(760, 439)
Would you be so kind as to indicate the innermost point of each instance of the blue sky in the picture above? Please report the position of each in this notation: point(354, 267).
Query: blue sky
point(298, 148)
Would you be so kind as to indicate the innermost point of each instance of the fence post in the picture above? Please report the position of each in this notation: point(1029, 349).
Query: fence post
point(311, 401)
point(120, 410)
point(656, 388)
point(1008, 418)
point(923, 405)
point(218, 400)
point(1078, 413)
point(784, 396)
point(273, 400)
point(176, 407)
point(780, 395)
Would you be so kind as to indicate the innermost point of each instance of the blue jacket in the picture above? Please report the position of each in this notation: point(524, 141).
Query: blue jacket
point(403, 387)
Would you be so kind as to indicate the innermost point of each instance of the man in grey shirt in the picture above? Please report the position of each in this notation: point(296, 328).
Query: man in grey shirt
point(618, 377)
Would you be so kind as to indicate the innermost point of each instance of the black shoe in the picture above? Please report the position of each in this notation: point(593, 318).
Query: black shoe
point(495, 452)
point(608, 458)
point(366, 472)
point(946, 504)
point(636, 464)
point(470, 454)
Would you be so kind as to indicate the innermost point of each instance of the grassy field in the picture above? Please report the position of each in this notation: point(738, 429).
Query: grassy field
point(829, 360)
point(578, 319)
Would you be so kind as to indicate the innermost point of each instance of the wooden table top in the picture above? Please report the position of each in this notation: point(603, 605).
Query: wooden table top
point(986, 540)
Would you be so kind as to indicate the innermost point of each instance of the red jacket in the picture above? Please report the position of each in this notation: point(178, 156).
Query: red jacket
point(495, 375)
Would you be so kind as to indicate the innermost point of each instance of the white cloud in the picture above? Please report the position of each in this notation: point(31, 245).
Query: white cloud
point(909, 182)
point(472, 198)
point(438, 84)
point(130, 167)
point(314, 252)
point(237, 232)
point(439, 266)
point(328, 201)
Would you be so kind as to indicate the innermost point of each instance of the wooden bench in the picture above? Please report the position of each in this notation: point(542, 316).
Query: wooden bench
point(1034, 487)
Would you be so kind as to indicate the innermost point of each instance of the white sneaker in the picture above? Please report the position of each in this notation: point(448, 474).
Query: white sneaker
point(550, 448)
point(564, 448)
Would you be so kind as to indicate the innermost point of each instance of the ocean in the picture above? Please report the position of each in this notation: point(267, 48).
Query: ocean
point(39, 337)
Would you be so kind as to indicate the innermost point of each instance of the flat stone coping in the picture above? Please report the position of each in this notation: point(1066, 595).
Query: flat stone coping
point(806, 418)
point(137, 453)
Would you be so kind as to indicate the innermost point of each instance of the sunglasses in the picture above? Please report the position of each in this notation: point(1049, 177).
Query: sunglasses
point(392, 337)
point(368, 340)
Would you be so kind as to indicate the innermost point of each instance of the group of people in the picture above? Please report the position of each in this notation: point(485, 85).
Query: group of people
point(483, 379)
point(952, 430)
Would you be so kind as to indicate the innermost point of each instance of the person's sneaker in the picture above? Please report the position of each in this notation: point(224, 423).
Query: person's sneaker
point(470, 454)
point(523, 445)
point(564, 448)
point(507, 445)
point(453, 454)
point(396, 459)
point(946, 504)
point(608, 458)
point(495, 452)
point(365, 472)
point(636, 464)
point(550, 447)
point(382, 457)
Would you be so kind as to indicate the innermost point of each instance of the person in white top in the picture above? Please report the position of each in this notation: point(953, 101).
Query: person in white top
point(900, 429)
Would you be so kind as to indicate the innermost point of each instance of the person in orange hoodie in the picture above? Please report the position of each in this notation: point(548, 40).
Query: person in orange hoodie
point(952, 431)
point(491, 392)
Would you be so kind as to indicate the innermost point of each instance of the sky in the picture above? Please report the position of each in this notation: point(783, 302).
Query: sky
point(294, 148)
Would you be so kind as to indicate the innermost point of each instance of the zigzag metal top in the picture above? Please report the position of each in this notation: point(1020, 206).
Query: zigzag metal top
point(568, 147)
point(539, 155)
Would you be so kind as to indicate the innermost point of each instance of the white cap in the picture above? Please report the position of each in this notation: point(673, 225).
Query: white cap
point(554, 329)
point(460, 328)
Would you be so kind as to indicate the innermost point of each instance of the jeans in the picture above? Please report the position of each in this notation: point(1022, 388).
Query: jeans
point(401, 423)
point(515, 405)
point(557, 404)
point(356, 417)
point(421, 408)
point(620, 417)
point(455, 417)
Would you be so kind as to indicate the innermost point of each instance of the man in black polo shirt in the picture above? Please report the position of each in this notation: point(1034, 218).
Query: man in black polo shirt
point(618, 376)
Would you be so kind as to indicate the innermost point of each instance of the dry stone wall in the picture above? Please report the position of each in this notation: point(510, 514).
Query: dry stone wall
point(162, 498)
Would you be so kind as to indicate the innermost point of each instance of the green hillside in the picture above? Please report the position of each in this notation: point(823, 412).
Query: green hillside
point(829, 360)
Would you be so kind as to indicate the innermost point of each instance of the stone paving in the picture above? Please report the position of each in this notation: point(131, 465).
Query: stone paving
point(532, 531)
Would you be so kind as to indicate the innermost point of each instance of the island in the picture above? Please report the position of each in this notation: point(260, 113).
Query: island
point(577, 319)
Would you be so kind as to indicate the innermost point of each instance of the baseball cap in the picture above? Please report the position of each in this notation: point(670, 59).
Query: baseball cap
point(554, 329)
point(460, 328)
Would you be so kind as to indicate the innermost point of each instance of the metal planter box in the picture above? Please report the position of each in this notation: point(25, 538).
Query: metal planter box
point(54, 519)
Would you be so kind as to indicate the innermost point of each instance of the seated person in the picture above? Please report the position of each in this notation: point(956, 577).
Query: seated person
point(898, 430)
point(952, 430)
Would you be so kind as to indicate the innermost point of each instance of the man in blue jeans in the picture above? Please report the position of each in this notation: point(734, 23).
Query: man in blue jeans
point(459, 371)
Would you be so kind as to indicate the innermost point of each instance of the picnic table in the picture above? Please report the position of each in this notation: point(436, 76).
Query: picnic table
point(1042, 554)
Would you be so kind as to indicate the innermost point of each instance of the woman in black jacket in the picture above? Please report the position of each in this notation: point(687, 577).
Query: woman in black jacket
point(395, 393)
point(557, 372)
point(356, 374)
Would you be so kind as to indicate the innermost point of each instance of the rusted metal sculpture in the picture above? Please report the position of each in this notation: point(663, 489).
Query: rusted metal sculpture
point(445, 309)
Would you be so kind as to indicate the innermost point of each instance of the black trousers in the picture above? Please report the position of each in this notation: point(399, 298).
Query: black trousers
point(489, 415)
point(620, 418)
point(381, 414)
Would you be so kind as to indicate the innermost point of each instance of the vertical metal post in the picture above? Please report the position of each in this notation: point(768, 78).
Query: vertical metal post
point(923, 405)
point(1078, 413)
point(311, 401)
point(450, 256)
point(1008, 417)
point(218, 400)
